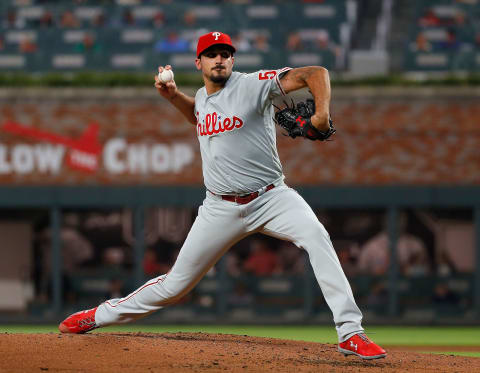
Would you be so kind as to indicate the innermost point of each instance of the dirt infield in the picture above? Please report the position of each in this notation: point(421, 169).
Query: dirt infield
point(199, 352)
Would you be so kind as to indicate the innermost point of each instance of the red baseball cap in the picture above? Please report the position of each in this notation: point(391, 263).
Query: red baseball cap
point(213, 38)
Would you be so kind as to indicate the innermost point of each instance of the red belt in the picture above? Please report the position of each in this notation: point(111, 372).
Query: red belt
point(242, 200)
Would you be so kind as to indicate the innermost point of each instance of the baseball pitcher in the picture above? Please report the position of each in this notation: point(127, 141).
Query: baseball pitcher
point(234, 120)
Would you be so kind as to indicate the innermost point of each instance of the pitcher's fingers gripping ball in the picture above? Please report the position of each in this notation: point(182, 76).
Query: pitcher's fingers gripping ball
point(165, 76)
point(165, 83)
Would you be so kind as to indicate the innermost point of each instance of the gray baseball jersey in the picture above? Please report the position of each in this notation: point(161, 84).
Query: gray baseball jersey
point(238, 142)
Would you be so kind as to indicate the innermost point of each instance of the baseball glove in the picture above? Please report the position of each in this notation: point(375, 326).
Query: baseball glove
point(296, 121)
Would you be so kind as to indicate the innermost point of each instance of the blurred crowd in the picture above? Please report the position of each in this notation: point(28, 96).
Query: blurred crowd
point(173, 34)
point(67, 19)
point(447, 29)
point(102, 242)
point(147, 2)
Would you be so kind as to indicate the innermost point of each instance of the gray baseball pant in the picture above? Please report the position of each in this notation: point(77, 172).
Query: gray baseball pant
point(280, 212)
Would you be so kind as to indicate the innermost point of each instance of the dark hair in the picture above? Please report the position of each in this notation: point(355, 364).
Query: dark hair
point(224, 46)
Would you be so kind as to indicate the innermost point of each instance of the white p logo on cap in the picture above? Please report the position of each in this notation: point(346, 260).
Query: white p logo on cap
point(216, 34)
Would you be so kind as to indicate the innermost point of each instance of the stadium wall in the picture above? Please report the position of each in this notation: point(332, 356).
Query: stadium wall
point(396, 148)
point(122, 136)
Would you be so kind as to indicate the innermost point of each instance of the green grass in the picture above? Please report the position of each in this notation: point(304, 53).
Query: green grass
point(398, 335)
point(454, 353)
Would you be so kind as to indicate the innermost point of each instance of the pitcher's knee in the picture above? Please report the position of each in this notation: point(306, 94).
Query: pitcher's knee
point(315, 231)
point(315, 237)
point(172, 293)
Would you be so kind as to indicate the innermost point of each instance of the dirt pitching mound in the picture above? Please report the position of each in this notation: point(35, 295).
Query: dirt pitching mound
point(199, 352)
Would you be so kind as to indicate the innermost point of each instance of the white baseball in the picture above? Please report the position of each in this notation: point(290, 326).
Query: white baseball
point(165, 76)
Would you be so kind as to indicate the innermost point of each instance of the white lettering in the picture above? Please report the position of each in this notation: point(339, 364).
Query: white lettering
point(49, 158)
point(137, 159)
point(111, 156)
point(120, 157)
point(22, 159)
point(4, 165)
point(160, 158)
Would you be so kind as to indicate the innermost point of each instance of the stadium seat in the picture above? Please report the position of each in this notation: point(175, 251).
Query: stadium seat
point(125, 32)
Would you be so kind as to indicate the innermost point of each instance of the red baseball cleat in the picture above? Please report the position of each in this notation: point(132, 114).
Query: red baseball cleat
point(79, 323)
point(360, 345)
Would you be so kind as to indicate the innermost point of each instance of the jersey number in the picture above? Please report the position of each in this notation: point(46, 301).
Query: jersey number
point(267, 75)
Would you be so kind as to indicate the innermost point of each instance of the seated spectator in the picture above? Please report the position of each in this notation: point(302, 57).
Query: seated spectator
point(442, 295)
point(294, 42)
point(290, 259)
point(114, 257)
point(69, 20)
point(46, 20)
point(451, 43)
point(115, 289)
point(189, 19)
point(203, 300)
point(88, 44)
point(240, 296)
point(158, 19)
point(421, 44)
point(260, 43)
point(262, 260)
point(445, 265)
point(459, 19)
point(429, 19)
point(151, 265)
point(99, 20)
point(417, 265)
point(27, 45)
point(76, 252)
point(322, 41)
point(347, 261)
point(242, 44)
point(173, 43)
point(12, 21)
point(233, 264)
point(128, 19)
point(374, 257)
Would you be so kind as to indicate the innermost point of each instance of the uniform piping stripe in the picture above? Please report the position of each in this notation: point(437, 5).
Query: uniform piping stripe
point(135, 293)
point(285, 69)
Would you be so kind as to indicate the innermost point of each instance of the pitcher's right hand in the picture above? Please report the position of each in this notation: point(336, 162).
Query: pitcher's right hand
point(167, 90)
